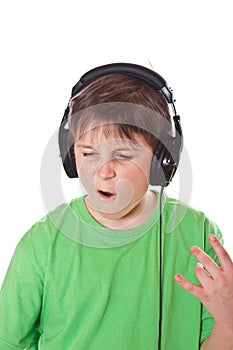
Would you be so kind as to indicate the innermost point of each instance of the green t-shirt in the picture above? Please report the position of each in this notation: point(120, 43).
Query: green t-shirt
point(75, 285)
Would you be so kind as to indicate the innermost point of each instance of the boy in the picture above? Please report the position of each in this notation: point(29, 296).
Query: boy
point(98, 272)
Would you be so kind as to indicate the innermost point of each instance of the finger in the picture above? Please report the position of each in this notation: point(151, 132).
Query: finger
point(192, 288)
point(223, 256)
point(208, 263)
point(203, 276)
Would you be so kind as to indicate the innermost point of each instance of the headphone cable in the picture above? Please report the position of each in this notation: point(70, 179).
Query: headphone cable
point(160, 268)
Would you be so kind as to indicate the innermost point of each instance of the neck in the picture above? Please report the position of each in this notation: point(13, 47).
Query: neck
point(137, 215)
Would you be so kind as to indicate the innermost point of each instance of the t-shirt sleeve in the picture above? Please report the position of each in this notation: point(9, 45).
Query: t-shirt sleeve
point(207, 320)
point(21, 295)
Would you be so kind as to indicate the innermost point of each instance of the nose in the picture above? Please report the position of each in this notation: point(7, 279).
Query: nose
point(106, 171)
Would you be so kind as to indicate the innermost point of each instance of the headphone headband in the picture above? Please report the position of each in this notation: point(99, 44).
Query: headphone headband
point(145, 74)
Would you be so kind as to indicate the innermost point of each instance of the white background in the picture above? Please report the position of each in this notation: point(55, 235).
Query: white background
point(47, 45)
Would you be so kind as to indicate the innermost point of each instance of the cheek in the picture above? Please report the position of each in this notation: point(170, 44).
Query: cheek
point(143, 167)
point(84, 168)
point(137, 174)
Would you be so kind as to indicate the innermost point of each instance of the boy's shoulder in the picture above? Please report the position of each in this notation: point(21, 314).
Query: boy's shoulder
point(181, 208)
point(51, 224)
point(178, 214)
point(178, 206)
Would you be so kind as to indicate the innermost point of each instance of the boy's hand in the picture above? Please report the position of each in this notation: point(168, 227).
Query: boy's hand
point(216, 283)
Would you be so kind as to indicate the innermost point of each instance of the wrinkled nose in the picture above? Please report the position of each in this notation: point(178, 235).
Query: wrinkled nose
point(106, 171)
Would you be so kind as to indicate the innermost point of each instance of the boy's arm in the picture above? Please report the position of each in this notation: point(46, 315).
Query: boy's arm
point(20, 297)
point(220, 338)
point(215, 292)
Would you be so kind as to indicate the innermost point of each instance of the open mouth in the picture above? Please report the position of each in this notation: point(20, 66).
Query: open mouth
point(105, 194)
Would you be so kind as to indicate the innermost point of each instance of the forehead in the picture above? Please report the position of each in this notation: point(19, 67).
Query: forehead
point(110, 134)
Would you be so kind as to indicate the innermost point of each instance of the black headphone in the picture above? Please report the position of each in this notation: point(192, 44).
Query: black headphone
point(167, 154)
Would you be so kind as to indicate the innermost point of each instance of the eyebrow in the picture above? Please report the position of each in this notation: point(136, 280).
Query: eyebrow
point(121, 147)
point(84, 146)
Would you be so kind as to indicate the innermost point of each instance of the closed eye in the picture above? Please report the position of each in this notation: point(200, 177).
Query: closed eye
point(123, 156)
point(88, 154)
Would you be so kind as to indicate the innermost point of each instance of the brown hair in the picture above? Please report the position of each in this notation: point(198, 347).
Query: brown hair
point(125, 101)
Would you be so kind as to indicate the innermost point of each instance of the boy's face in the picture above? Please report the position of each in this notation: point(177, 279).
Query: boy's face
point(114, 171)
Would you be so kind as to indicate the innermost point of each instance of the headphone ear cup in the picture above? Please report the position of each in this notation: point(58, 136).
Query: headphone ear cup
point(66, 145)
point(163, 165)
point(157, 177)
point(166, 157)
point(70, 164)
